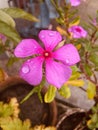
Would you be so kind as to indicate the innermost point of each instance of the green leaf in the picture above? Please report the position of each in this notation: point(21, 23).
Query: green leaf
point(75, 76)
point(95, 48)
point(6, 19)
point(14, 124)
point(11, 61)
point(9, 109)
point(88, 69)
point(5, 110)
point(88, 47)
point(75, 73)
point(76, 21)
point(74, 69)
point(19, 13)
point(95, 118)
point(34, 90)
point(94, 58)
point(10, 32)
point(91, 90)
point(65, 91)
point(76, 83)
point(72, 13)
point(50, 94)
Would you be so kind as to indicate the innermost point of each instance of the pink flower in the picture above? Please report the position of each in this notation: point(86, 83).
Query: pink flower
point(77, 32)
point(94, 22)
point(2, 38)
point(56, 63)
point(75, 2)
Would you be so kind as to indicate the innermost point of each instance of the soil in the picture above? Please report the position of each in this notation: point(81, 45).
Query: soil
point(33, 109)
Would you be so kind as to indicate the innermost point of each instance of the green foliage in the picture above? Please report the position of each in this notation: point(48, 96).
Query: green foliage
point(75, 79)
point(75, 73)
point(76, 83)
point(19, 13)
point(7, 28)
point(9, 32)
point(88, 69)
point(36, 89)
point(75, 21)
point(4, 17)
point(93, 122)
point(94, 58)
point(11, 61)
point(64, 91)
point(88, 48)
point(9, 109)
point(5, 110)
point(14, 124)
point(7, 23)
point(50, 94)
point(9, 119)
point(91, 90)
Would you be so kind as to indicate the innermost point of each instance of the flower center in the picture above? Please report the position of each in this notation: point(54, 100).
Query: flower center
point(46, 54)
point(78, 30)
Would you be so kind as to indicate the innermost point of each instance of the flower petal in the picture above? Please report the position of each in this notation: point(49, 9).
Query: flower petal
point(75, 2)
point(27, 47)
point(67, 54)
point(31, 70)
point(50, 38)
point(77, 32)
point(57, 73)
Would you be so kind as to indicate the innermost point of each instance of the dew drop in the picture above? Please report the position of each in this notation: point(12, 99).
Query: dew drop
point(25, 69)
point(42, 36)
point(35, 47)
point(32, 62)
point(51, 34)
point(19, 49)
point(67, 61)
point(28, 60)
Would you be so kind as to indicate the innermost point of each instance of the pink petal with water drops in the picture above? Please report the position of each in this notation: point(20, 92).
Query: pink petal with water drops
point(50, 38)
point(67, 54)
point(75, 2)
point(27, 47)
point(57, 73)
point(31, 71)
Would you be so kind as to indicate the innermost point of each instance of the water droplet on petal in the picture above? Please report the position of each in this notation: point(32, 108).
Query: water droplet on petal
point(28, 60)
point(42, 36)
point(35, 47)
point(32, 62)
point(25, 69)
point(19, 49)
point(51, 34)
point(67, 61)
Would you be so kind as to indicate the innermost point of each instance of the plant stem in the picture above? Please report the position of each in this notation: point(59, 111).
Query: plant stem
point(83, 71)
